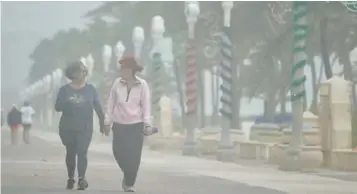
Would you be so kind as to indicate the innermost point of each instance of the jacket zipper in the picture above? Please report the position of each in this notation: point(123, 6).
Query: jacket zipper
point(128, 94)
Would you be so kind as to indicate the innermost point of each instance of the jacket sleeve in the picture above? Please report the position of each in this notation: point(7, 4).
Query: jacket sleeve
point(98, 108)
point(146, 103)
point(61, 101)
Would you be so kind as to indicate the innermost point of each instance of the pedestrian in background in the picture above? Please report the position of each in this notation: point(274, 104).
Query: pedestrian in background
point(128, 114)
point(27, 112)
point(76, 100)
point(14, 122)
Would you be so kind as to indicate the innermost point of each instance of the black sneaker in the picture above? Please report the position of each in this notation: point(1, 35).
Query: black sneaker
point(70, 184)
point(82, 184)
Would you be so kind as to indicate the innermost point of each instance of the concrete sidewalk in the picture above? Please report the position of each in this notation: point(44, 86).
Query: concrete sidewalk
point(39, 168)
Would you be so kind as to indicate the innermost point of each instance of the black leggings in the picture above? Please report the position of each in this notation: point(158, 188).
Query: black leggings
point(127, 149)
point(77, 144)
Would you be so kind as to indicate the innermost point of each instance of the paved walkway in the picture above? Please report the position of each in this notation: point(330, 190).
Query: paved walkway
point(39, 168)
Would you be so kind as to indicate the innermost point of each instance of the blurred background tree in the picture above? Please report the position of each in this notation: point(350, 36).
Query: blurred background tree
point(261, 31)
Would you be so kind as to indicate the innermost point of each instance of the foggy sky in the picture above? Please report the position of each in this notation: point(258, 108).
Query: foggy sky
point(24, 24)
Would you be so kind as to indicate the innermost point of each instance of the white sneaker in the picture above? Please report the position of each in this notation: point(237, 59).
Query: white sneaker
point(129, 189)
point(124, 186)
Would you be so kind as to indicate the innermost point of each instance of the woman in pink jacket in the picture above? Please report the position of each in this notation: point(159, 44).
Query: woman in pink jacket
point(128, 114)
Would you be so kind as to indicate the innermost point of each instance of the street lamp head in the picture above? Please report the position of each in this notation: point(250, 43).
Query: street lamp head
point(107, 52)
point(54, 74)
point(138, 35)
point(90, 64)
point(227, 8)
point(157, 25)
point(47, 83)
point(59, 75)
point(227, 5)
point(90, 60)
point(119, 49)
point(59, 72)
point(83, 60)
point(47, 79)
point(192, 9)
point(106, 57)
point(247, 62)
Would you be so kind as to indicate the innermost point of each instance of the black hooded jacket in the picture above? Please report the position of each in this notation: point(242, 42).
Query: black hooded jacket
point(14, 117)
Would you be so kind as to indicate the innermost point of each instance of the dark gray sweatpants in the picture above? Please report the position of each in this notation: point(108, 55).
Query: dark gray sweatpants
point(77, 144)
point(127, 149)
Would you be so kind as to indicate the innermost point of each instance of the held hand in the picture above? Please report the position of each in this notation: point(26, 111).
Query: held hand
point(106, 130)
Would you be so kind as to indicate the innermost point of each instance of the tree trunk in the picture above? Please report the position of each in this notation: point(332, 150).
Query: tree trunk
point(180, 90)
point(314, 106)
point(323, 47)
point(269, 107)
point(321, 73)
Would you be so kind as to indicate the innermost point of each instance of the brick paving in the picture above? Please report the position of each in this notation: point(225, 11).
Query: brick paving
point(39, 168)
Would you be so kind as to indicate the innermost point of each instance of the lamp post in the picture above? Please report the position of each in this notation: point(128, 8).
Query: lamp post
point(106, 57)
point(225, 147)
point(37, 94)
point(83, 60)
point(57, 82)
point(59, 76)
point(247, 62)
point(157, 32)
point(300, 13)
point(119, 50)
point(90, 65)
point(138, 41)
point(53, 93)
point(192, 10)
point(47, 97)
point(109, 76)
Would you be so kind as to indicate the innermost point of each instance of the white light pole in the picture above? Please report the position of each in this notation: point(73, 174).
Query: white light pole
point(247, 62)
point(109, 74)
point(37, 94)
point(106, 57)
point(157, 33)
point(83, 60)
point(57, 80)
point(192, 10)
point(228, 104)
point(47, 95)
point(138, 41)
point(90, 65)
point(119, 51)
point(157, 29)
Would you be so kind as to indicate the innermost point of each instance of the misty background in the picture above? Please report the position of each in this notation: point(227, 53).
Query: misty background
point(260, 26)
point(23, 25)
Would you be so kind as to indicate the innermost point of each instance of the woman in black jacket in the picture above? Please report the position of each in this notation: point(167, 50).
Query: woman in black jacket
point(76, 101)
point(14, 122)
